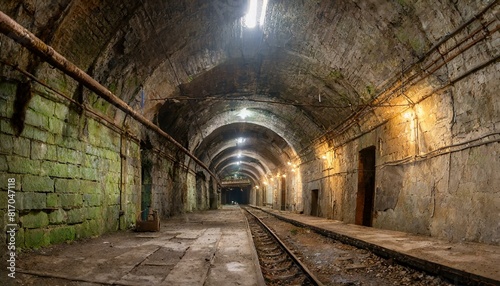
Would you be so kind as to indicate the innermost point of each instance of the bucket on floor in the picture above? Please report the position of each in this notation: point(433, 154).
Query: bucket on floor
point(151, 224)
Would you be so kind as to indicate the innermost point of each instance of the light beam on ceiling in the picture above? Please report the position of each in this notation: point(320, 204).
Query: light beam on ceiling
point(250, 19)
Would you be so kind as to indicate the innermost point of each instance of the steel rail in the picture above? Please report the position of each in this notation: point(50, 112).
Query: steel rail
point(302, 266)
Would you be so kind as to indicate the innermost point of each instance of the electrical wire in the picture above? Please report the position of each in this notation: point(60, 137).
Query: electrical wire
point(363, 109)
point(97, 116)
point(215, 98)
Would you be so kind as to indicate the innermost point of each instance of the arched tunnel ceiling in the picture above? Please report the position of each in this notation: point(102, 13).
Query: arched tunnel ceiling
point(247, 143)
point(305, 70)
point(243, 170)
point(230, 156)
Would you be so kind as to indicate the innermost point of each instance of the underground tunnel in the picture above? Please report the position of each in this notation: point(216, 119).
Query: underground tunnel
point(381, 117)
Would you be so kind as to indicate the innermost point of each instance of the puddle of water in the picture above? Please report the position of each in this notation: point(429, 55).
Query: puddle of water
point(235, 267)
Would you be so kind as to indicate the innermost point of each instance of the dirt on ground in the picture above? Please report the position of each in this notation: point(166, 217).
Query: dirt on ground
point(201, 248)
point(103, 246)
point(336, 263)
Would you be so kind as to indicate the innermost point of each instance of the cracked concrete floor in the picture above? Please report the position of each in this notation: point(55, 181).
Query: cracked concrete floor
point(201, 248)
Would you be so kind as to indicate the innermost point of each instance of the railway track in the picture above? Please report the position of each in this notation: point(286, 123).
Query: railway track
point(278, 263)
point(333, 262)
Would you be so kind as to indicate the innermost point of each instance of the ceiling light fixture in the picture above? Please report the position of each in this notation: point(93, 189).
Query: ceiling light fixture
point(244, 113)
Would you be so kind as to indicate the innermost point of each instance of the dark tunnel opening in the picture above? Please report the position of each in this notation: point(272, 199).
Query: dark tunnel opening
point(236, 195)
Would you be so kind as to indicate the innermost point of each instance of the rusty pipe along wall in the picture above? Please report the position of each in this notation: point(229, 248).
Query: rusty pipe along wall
point(18, 33)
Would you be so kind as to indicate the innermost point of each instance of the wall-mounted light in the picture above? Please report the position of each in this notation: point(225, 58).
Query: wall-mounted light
point(289, 163)
point(408, 115)
point(323, 157)
point(284, 176)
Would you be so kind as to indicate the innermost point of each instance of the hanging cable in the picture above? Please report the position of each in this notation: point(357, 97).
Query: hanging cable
point(15, 31)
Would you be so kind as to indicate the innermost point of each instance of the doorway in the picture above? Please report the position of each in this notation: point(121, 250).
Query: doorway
point(201, 198)
point(314, 202)
point(366, 187)
point(147, 183)
point(283, 193)
point(213, 195)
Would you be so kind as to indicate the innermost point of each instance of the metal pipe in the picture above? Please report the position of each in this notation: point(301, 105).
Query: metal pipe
point(13, 30)
point(412, 80)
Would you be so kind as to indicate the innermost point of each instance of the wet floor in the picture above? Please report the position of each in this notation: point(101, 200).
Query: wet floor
point(203, 248)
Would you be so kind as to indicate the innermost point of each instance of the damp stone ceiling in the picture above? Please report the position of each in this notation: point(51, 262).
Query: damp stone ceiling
point(244, 144)
point(303, 70)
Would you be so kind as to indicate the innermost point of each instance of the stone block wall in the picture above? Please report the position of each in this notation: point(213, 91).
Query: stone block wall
point(202, 190)
point(174, 187)
point(163, 186)
point(67, 168)
point(437, 160)
point(432, 177)
point(78, 174)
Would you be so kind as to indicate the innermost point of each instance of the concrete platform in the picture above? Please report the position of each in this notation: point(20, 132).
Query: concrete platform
point(202, 248)
point(473, 262)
